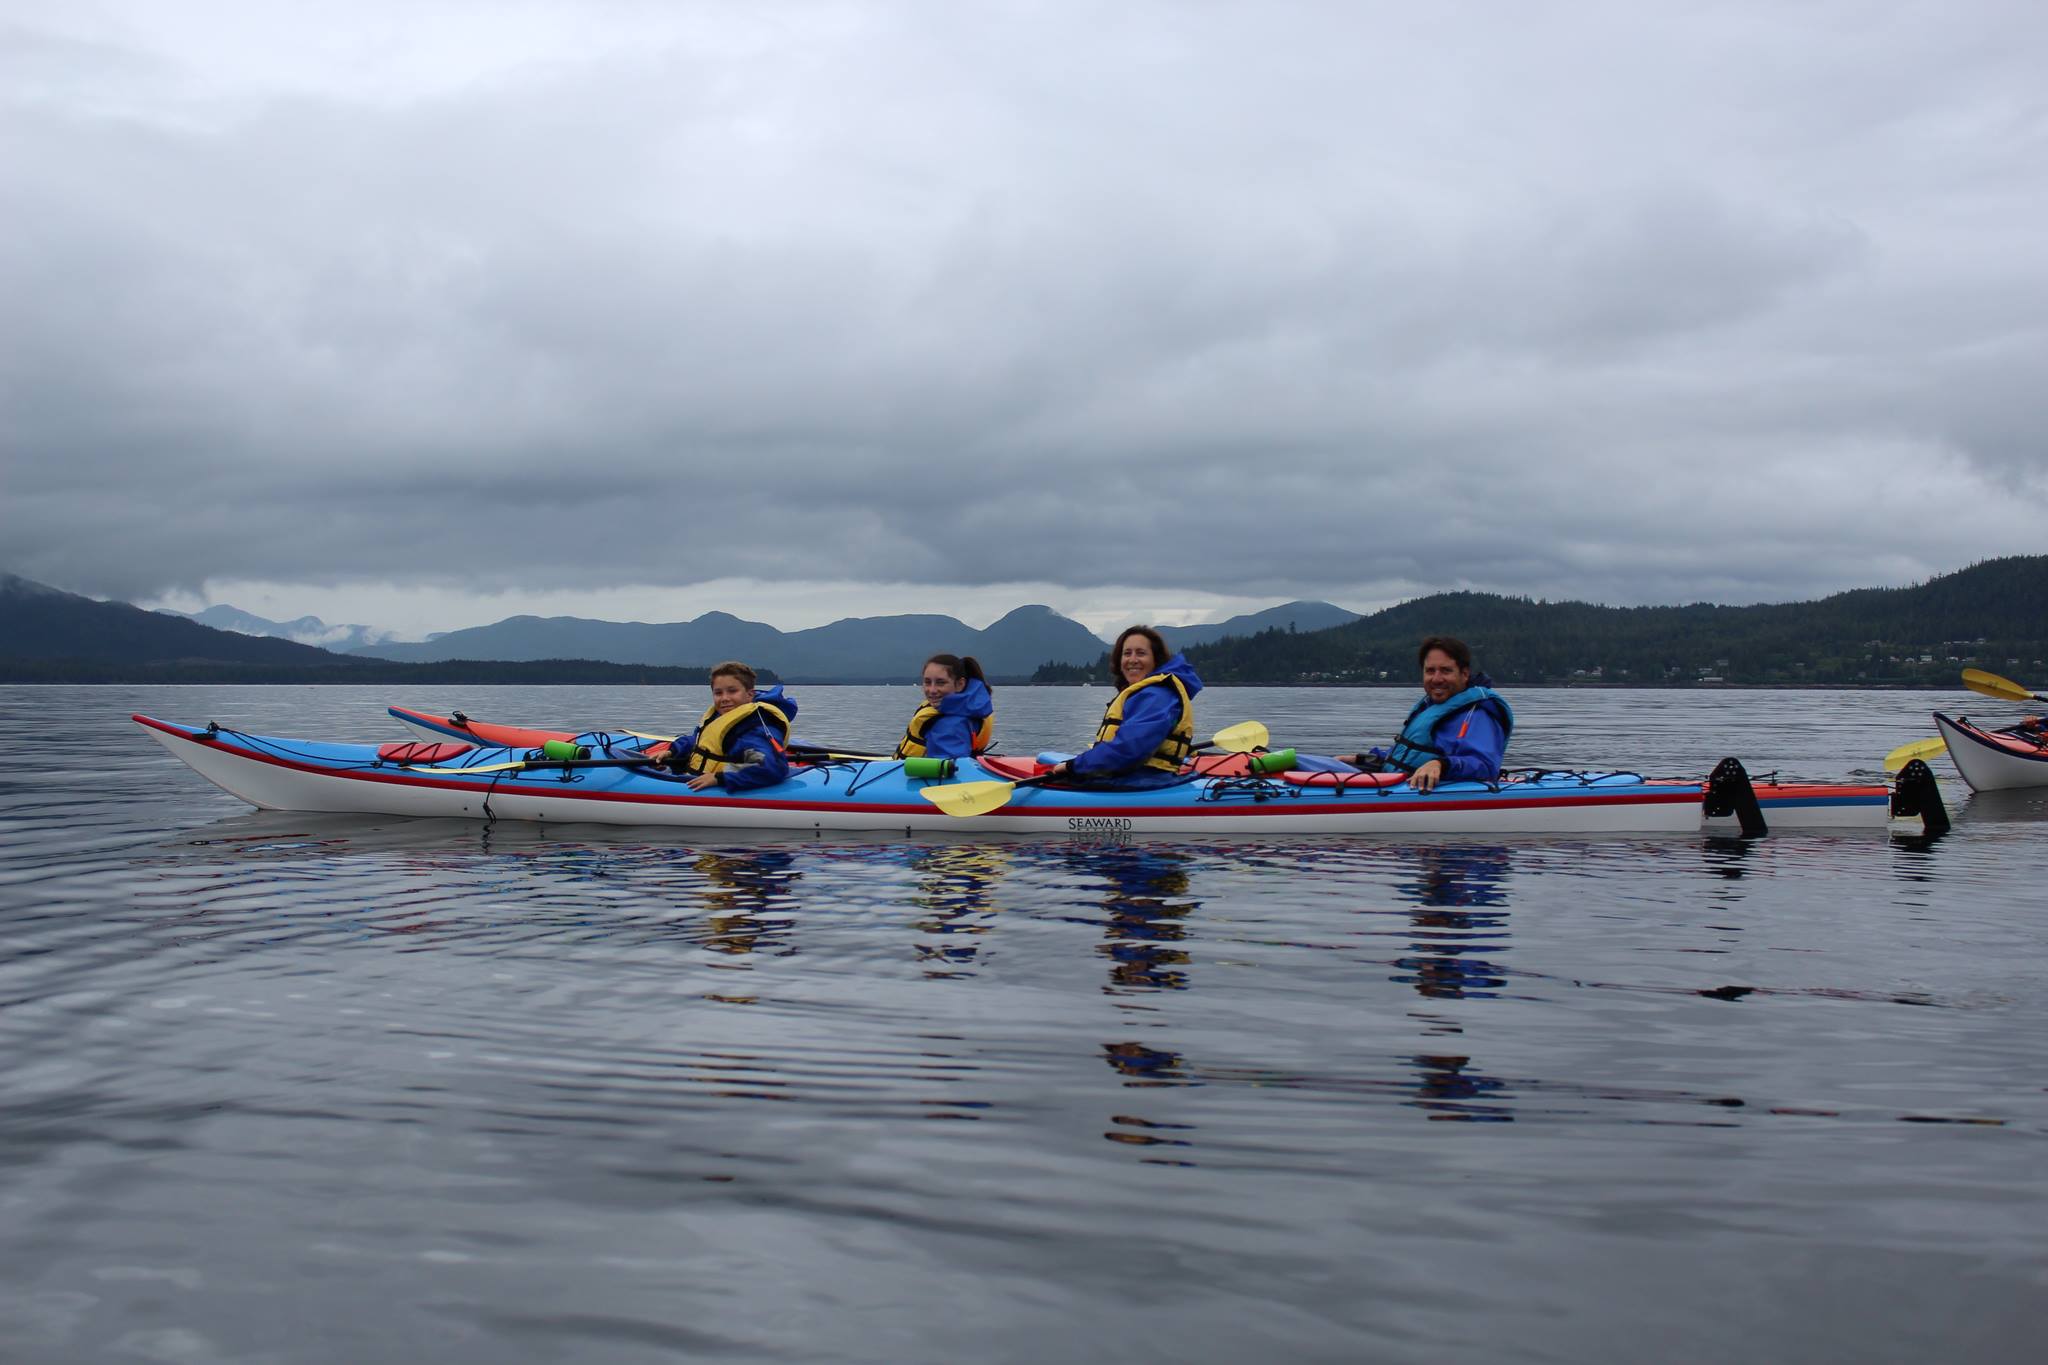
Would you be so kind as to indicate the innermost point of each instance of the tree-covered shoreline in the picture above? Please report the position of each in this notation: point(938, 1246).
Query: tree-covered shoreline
point(1993, 615)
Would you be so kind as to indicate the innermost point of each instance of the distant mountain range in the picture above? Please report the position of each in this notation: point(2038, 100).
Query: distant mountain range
point(1290, 616)
point(305, 630)
point(856, 649)
point(41, 622)
point(1989, 615)
point(50, 635)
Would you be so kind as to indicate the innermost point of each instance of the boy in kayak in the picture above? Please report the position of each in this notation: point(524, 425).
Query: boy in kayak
point(958, 717)
point(1456, 733)
point(740, 741)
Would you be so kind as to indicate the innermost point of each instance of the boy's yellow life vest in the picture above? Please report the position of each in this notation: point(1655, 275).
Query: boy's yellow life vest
point(1178, 745)
point(912, 743)
point(708, 755)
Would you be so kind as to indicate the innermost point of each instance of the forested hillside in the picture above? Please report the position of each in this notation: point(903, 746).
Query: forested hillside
point(1993, 615)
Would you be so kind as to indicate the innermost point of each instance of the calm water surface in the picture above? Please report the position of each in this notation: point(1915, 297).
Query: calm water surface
point(287, 1088)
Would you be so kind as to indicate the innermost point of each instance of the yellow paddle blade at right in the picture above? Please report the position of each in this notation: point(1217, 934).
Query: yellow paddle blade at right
point(1906, 753)
point(1240, 738)
point(1991, 685)
point(969, 798)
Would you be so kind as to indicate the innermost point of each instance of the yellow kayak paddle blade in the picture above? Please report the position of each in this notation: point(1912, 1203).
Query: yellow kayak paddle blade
point(1991, 685)
point(969, 798)
point(1240, 738)
point(1906, 753)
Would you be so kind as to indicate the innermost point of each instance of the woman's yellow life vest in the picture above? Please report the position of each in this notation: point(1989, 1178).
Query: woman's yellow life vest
point(707, 753)
point(1177, 746)
point(912, 743)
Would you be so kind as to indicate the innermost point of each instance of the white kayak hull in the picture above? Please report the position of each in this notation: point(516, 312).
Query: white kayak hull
point(299, 775)
point(1992, 760)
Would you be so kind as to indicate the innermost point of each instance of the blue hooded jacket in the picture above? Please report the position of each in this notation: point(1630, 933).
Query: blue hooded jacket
point(1471, 732)
point(762, 762)
point(1149, 717)
point(951, 735)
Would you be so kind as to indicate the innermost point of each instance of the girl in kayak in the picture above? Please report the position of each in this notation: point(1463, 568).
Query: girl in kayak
point(741, 740)
point(958, 717)
point(1148, 730)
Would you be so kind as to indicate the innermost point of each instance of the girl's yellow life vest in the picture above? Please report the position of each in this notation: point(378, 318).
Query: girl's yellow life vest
point(912, 743)
point(1178, 745)
point(707, 753)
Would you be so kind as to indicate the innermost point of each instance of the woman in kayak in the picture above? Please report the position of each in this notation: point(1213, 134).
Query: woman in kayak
point(1148, 730)
point(741, 739)
point(958, 717)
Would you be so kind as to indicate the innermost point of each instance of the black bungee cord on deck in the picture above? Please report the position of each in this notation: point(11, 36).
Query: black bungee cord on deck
point(264, 744)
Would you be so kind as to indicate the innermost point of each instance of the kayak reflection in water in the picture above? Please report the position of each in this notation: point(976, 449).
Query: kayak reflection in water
point(958, 717)
point(1459, 920)
point(1147, 906)
point(956, 885)
point(1458, 732)
point(1137, 1062)
point(740, 739)
point(748, 898)
point(1451, 1090)
point(1148, 729)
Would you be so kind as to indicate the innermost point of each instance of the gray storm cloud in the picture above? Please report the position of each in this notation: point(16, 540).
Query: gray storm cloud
point(1623, 305)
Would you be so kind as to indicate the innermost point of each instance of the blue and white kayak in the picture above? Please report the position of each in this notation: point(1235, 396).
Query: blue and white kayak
point(461, 780)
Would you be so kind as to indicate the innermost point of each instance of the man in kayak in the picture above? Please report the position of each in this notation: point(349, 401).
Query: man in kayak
point(1456, 733)
point(741, 740)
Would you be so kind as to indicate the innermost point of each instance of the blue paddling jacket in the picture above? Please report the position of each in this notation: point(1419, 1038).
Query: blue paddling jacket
point(956, 731)
point(1152, 713)
point(1467, 731)
point(750, 751)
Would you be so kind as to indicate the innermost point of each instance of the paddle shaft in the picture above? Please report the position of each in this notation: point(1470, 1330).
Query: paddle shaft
point(826, 751)
point(967, 799)
point(521, 765)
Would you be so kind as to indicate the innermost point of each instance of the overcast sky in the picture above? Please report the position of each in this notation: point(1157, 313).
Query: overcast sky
point(421, 314)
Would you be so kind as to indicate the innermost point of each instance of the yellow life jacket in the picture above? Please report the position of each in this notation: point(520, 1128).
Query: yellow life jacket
point(1178, 745)
point(707, 752)
point(912, 743)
